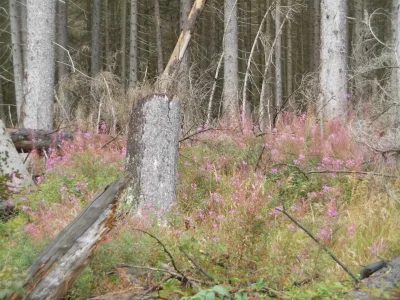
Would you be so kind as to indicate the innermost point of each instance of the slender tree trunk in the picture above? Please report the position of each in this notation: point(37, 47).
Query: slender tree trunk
point(246, 107)
point(62, 40)
point(96, 23)
point(2, 114)
point(333, 76)
point(231, 77)
point(316, 34)
point(123, 45)
point(40, 69)
point(183, 77)
point(278, 57)
point(289, 60)
point(17, 56)
point(266, 94)
point(160, 59)
point(107, 49)
point(24, 30)
point(62, 56)
point(133, 53)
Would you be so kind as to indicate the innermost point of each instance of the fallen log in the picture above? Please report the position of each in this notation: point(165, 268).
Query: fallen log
point(26, 140)
point(58, 266)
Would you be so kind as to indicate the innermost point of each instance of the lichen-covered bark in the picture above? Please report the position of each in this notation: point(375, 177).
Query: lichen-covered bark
point(333, 76)
point(231, 64)
point(10, 161)
point(152, 152)
point(40, 69)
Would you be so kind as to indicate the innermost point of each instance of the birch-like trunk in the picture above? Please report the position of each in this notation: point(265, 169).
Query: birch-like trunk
point(278, 57)
point(2, 114)
point(157, 18)
point(96, 23)
point(123, 45)
point(18, 66)
point(133, 53)
point(40, 69)
point(333, 75)
point(231, 77)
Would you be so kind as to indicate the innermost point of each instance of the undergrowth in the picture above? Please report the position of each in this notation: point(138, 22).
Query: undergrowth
point(225, 222)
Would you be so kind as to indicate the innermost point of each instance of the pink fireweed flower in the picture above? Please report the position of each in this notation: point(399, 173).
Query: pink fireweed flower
point(351, 229)
point(274, 171)
point(377, 247)
point(194, 186)
point(291, 227)
point(25, 208)
point(326, 189)
point(332, 212)
point(244, 163)
point(325, 234)
point(63, 189)
point(302, 157)
point(187, 164)
point(275, 211)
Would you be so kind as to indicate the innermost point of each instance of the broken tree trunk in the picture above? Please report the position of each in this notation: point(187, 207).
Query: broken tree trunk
point(169, 74)
point(11, 163)
point(152, 152)
point(58, 266)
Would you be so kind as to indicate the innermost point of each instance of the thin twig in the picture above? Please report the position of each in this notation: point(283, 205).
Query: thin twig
point(295, 167)
point(112, 140)
point(192, 260)
point(167, 252)
point(320, 244)
point(259, 158)
point(161, 270)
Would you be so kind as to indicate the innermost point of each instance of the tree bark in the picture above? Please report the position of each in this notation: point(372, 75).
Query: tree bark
point(10, 161)
point(24, 31)
point(266, 94)
point(231, 77)
point(183, 76)
point(157, 18)
point(152, 152)
point(123, 45)
point(2, 114)
point(62, 57)
point(96, 23)
point(278, 57)
point(18, 66)
point(316, 34)
point(289, 59)
point(61, 263)
point(40, 69)
point(333, 75)
point(133, 55)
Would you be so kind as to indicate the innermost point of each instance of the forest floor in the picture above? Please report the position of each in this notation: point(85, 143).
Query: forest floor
point(227, 232)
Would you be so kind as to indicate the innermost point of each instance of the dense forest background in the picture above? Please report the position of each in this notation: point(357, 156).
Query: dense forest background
point(109, 53)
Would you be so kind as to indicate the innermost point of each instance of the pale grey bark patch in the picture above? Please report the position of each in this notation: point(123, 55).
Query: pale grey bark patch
point(40, 69)
point(10, 161)
point(333, 75)
point(152, 152)
point(231, 65)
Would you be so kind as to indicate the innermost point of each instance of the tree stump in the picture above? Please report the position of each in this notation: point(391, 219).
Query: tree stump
point(152, 152)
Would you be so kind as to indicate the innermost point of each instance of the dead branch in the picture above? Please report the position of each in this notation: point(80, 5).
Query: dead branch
point(333, 256)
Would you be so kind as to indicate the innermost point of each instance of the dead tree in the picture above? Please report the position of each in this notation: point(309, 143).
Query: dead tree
point(56, 269)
